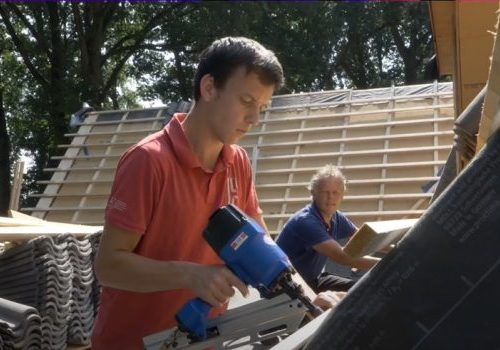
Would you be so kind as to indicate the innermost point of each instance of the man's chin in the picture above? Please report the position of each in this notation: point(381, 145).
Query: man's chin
point(230, 140)
point(234, 140)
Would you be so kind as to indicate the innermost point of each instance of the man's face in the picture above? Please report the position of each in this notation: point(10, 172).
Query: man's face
point(236, 107)
point(328, 195)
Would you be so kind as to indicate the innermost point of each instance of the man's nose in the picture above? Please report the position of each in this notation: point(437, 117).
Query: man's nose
point(253, 117)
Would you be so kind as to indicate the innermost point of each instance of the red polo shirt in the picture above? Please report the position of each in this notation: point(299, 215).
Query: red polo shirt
point(162, 192)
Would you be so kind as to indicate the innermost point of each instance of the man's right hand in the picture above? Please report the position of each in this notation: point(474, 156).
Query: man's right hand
point(214, 283)
point(329, 299)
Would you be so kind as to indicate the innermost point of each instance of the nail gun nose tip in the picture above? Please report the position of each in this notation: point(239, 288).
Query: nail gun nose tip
point(316, 311)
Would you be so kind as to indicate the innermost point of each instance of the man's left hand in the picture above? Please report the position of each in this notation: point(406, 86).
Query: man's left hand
point(329, 299)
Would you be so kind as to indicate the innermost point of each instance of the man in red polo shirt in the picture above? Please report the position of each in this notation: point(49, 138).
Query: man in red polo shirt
point(152, 257)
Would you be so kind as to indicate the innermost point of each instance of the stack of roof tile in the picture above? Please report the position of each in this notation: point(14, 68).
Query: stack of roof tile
point(19, 326)
point(55, 276)
point(18, 275)
point(95, 240)
point(55, 272)
point(81, 307)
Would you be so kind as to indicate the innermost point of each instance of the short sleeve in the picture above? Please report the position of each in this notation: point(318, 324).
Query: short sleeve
point(251, 206)
point(345, 228)
point(352, 228)
point(134, 193)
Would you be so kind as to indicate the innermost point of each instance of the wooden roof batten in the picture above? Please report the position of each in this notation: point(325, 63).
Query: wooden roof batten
point(389, 142)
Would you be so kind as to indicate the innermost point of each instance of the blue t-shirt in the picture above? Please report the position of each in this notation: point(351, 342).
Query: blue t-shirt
point(305, 229)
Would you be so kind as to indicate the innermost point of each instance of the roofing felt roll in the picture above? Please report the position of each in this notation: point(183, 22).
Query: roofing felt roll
point(438, 289)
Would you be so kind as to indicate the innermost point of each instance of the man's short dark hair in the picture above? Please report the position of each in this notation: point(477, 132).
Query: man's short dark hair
point(225, 55)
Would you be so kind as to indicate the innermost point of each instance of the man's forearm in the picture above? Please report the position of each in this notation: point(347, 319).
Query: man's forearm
point(132, 272)
point(364, 263)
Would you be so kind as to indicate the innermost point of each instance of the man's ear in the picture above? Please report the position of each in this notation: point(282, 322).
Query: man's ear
point(208, 91)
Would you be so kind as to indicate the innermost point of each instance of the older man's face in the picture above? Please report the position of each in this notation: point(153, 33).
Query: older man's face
point(328, 195)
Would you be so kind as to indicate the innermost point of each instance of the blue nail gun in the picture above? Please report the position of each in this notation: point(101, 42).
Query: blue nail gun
point(252, 256)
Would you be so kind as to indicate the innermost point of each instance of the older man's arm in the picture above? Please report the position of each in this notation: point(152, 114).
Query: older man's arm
point(335, 252)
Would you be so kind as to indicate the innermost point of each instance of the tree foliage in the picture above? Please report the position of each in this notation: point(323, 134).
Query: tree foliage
point(322, 46)
point(57, 55)
point(71, 52)
point(11, 87)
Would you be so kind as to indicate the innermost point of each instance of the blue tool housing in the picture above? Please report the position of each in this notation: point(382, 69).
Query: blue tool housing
point(254, 257)
point(247, 251)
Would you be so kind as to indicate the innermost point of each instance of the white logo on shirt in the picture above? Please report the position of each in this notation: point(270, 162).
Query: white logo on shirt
point(232, 190)
point(117, 204)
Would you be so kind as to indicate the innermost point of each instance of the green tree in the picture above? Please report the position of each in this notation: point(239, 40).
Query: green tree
point(322, 45)
point(167, 69)
point(4, 159)
point(11, 87)
point(384, 43)
point(74, 52)
point(410, 29)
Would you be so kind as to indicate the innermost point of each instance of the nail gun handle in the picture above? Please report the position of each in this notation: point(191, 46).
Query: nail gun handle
point(193, 318)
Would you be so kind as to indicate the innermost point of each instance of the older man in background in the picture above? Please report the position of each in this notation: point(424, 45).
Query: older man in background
point(311, 235)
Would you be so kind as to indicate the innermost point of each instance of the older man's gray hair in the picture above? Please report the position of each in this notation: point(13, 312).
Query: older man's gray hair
point(327, 171)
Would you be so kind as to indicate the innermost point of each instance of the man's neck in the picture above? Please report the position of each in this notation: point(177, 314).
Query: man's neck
point(205, 145)
point(327, 217)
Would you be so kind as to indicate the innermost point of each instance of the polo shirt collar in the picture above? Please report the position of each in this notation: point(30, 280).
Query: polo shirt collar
point(316, 212)
point(183, 150)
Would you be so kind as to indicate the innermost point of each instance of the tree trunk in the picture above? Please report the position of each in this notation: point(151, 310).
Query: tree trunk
point(58, 120)
point(411, 68)
point(4, 161)
point(95, 38)
point(407, 55)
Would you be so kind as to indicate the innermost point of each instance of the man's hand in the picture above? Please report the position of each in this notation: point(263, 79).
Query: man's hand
point(327, 300)
point(214, 284)
point(333, 250)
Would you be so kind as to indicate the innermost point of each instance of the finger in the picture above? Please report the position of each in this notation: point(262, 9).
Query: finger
point(226, 289)
point(236, 282)
point(222, 284)
point(339, 295)
point(220, 296)
point(324, 304)
point(232, 279)
point(209, 298)
point(332, 296)
point(324, 301)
